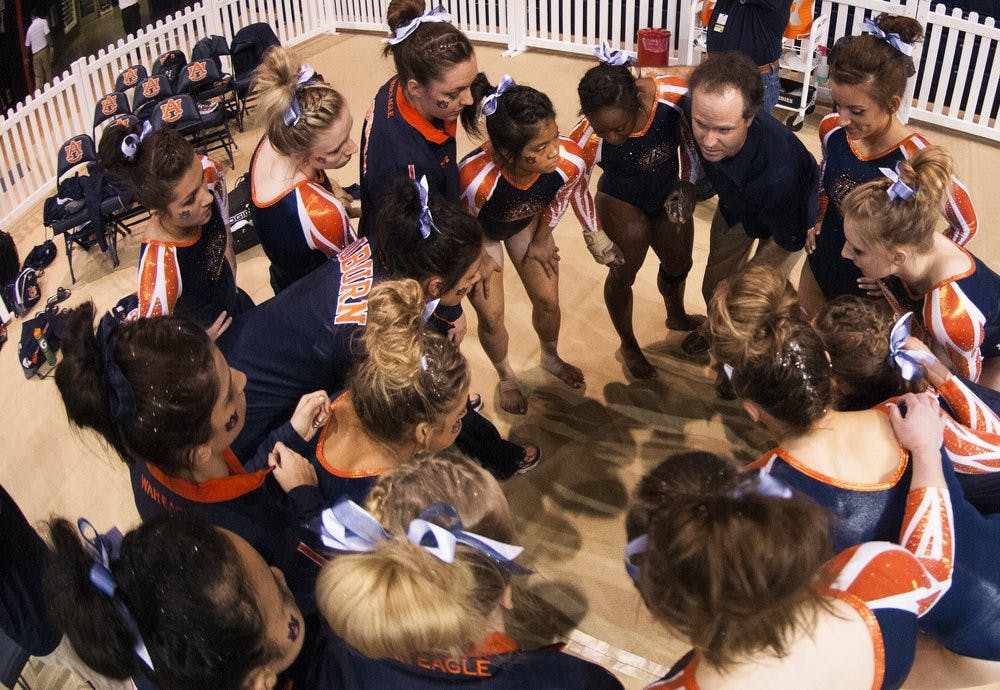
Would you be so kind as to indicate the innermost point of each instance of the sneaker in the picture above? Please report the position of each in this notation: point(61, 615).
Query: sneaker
point(532, 456)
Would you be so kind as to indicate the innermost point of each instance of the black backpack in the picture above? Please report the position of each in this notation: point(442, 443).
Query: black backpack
point(10, 264)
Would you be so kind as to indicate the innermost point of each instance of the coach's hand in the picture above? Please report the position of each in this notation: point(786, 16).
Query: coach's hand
point(603, 248)
point(291, 469)
point(310, 414)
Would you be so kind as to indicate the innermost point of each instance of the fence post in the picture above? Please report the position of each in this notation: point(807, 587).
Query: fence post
point(921, 14)
point(685, 33)
point(516, 27)
point(82, 85)
point(212, 21)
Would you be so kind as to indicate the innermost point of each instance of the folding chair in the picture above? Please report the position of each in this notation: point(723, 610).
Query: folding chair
point(130, 78)
point(109, 107)
point(213, 48)
point(148, 93)
point(169, 65)
point(201, 79)
point(247, 51)
point(206, 130)
point(76, 155)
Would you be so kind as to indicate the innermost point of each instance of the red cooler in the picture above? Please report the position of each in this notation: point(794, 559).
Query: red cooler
point(654, 48)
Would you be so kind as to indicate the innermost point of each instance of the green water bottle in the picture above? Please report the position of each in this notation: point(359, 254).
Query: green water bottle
point(43, 343)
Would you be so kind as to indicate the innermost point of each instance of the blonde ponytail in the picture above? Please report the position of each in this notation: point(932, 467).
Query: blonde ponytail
point(407, 375)
point(274, 82)
point(885, 223)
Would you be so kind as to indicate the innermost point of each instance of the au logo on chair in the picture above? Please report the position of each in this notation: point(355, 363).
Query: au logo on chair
point(109, 105)
point(73, 151)
point(171, 110)
point(197, 71)
point(130, 77)
point(151, 88)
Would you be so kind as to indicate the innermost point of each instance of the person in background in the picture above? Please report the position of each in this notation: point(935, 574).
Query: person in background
point(131, 16)
point(38, 41)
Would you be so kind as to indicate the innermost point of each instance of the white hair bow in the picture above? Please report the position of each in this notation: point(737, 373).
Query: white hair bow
point(618, 58)
point(489, 105)
point(438, 14)
point(868, 26)
point(907, 361)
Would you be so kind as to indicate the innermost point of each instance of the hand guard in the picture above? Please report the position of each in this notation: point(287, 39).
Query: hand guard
point(603, 249)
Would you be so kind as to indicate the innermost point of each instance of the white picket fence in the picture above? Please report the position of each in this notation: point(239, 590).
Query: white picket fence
point(956, 86)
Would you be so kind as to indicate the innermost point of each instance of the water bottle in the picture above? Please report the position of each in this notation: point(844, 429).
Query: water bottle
point(822, 69)
point(43, 344)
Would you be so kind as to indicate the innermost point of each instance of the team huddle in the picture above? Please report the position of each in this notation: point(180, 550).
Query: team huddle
point(321, 497)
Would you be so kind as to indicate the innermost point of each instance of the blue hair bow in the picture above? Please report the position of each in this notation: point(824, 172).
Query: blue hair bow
point(121, 400)
point(426, 219)
point(489, 105)
point(130, 143)
point(761, 483)
point(617, 58)
point(441, 541)
point(898, 189)
point(104, 549)
point(294, 111)
point(349, 527)
point(437, 14)
point(634, 548)
point(868, 26)
point(907, 361)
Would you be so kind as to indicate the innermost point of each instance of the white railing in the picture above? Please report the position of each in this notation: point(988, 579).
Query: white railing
point(962, 97)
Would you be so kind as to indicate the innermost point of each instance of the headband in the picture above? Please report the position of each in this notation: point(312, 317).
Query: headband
point(426, 219)
point(103, 550)
point(121, 400)
point(617, 58)
point(438, 14)
point(349, 527)
point(294, 111)
point(489, 105)
point(898, 189)
point(907, 361)
point(130, 143)
point(868, 26)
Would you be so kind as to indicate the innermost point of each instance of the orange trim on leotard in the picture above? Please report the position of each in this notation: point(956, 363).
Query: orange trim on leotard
point(904, 459)
point(420, 123)
point(321, 457)
point(238, 483)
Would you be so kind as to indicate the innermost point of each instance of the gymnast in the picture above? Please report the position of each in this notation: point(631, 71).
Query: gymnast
point(868, 77)
point(407, 614)
point(298, 212)
point(635, 130)
point(739, 566)
point(162, 396)
point(872, 359)
point(174, 605)
point(890, 229)
point(186, 262)
point(409, 129)
point(407, 393)
point(519, 184)
point(850, 462)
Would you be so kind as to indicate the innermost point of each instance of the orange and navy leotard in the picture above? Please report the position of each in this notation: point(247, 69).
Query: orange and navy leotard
point(843, 169)
point(889, 586)
point(335, 482)
point(248, 502)
point(398, 142)
point(300, 228)
point(505, 208)
point(193, 278)
point(962, 313)
point(967, 619)
point(643, 170)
